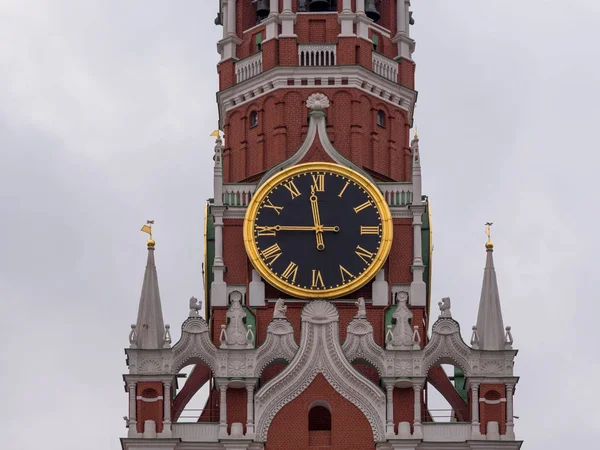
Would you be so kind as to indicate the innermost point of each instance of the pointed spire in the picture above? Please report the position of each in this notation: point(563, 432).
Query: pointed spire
point(150, 328)
point(490, 326)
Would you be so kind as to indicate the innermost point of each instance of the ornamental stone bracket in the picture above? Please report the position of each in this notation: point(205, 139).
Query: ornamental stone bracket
point(196, 347)
point(445, 346)
point(320, 353)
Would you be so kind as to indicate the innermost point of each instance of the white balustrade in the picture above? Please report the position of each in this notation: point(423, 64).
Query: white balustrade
point(248, 67)
point(385, 67)
point(316, 55)
point(446, 432)
point(397, 194)
point(196, 432)
point(237, 194)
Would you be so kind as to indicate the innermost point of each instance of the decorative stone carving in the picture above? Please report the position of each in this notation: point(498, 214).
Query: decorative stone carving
point(416, 338)
point(167, 337)
point(317, 102)
point(362, 309)
point(249, 337)
point(402, 333)
point(236, 330)
point(320, 353)
point(223, 336)
point(508, 341)
point(195, 307)
point(475, 339)
point(445, 307)
point(132, 337)
point(280, 309)
point(389, 337)
point(361, 344)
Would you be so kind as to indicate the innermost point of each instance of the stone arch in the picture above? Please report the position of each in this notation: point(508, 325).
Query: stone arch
point(320, 355)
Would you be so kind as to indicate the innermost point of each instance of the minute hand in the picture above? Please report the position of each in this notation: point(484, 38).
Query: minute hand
point(304, 228)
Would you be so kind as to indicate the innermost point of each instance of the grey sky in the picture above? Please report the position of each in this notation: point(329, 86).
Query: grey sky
point(105, 113)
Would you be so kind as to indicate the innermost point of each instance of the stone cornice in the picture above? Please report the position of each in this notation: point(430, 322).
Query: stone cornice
point(277, 78)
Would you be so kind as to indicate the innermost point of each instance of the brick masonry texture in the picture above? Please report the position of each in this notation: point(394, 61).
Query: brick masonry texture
point(149, 410)
point(350, 429)
point(351, 124)
point(492, 413)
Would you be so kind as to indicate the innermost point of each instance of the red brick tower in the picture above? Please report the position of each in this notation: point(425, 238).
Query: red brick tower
point(318, 256)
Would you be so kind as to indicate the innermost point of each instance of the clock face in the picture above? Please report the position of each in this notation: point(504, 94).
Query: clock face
point(318, 230)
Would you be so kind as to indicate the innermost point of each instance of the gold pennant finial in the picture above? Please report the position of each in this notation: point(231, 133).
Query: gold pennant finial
point(148, 229)
point(216, 134)
point(488, 230)
point(416, 138)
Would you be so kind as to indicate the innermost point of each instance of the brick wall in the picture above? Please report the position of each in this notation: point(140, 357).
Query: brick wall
point(351, 126)
point(492, 413)
point(350, 429)
point(149, 410)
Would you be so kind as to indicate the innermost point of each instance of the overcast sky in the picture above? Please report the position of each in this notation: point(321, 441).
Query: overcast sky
point(105, 111)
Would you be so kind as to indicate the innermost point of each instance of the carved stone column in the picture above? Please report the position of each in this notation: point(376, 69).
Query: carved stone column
point(167, 409)
point(418, 430)
point(132, 410)
point(475, 430)
point(510, 427)
point(250, 409)
point(223, 410)
point(389, 390)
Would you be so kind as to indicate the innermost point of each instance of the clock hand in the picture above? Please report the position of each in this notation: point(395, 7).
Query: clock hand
point(316, 219)
point(303, 228)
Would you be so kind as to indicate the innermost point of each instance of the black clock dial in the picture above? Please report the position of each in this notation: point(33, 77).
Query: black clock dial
point(318, 230)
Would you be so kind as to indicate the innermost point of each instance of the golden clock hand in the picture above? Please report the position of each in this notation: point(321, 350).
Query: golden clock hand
point(303, 228)
point(316, 219)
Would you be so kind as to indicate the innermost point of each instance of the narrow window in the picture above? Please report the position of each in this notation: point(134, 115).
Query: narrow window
point(258, 38)
point(375, 40)
point(319, 419)
point(253, 119)
point(381, 118)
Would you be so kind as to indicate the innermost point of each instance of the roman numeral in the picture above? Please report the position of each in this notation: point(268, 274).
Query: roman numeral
point(265, 231)
point(365, 255)
point(268, 204)
point(359, 208)
point(271, 253)
point(317, 279)
point(290, 186)
point(344, 271)
point(369, 230)
point(343, 189)
point(290, 271)
point(319, 182)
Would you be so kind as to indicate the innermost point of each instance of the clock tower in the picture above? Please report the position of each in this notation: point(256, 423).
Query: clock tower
point(317, 329)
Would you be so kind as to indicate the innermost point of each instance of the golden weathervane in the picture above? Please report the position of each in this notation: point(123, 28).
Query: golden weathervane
point(148, 229)
point(488, 231)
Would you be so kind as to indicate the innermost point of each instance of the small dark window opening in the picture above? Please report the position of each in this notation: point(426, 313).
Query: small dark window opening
point(253, 119)
point(319, 419)
point(258, 41)
point(381, 118)
point(375, 40)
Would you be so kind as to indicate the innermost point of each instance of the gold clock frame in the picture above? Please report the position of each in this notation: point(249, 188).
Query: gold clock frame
point(340, 291)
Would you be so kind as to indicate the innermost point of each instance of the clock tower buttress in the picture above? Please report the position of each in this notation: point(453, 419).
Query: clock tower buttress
point(317, 267)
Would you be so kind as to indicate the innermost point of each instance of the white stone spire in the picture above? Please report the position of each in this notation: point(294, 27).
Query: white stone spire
point(150, 328)
point(490, 326)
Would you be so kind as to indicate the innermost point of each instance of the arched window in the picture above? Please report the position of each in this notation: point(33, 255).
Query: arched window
point(381, 118)
point(319, 418)
point(253, 119)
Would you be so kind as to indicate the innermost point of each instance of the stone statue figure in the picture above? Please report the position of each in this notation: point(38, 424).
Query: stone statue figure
point(402, 332)
point(280, 309)
point(195, 307)
point(362, 309)
point(236, 330)
point(445, 307)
